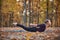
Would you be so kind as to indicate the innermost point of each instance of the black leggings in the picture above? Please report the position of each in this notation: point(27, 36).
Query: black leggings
point(33, 29)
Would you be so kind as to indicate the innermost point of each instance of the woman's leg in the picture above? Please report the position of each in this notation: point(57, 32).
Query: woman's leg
point(33, 29)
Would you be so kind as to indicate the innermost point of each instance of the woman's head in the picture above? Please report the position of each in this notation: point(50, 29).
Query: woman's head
point(48, 22)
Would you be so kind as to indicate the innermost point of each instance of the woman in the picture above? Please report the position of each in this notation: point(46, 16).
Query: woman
point(39, 27)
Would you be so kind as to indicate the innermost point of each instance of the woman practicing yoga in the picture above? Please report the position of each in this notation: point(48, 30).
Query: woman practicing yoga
point(39, 27)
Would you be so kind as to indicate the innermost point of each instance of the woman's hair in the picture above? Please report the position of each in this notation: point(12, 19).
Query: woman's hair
point(47, 20)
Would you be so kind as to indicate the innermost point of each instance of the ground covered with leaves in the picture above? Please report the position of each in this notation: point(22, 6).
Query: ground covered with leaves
point(16, 33)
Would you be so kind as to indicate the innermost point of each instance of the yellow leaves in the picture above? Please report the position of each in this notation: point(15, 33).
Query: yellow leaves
point(28, 35)
point(7, 5)
point(39, 9)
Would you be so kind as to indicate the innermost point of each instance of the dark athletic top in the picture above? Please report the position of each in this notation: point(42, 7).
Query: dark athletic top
point(41, 27)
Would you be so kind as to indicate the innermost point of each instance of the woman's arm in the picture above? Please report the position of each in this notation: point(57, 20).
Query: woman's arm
point(34, 25)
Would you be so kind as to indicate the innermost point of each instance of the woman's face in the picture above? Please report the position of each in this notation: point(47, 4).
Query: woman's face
point(49, 23)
